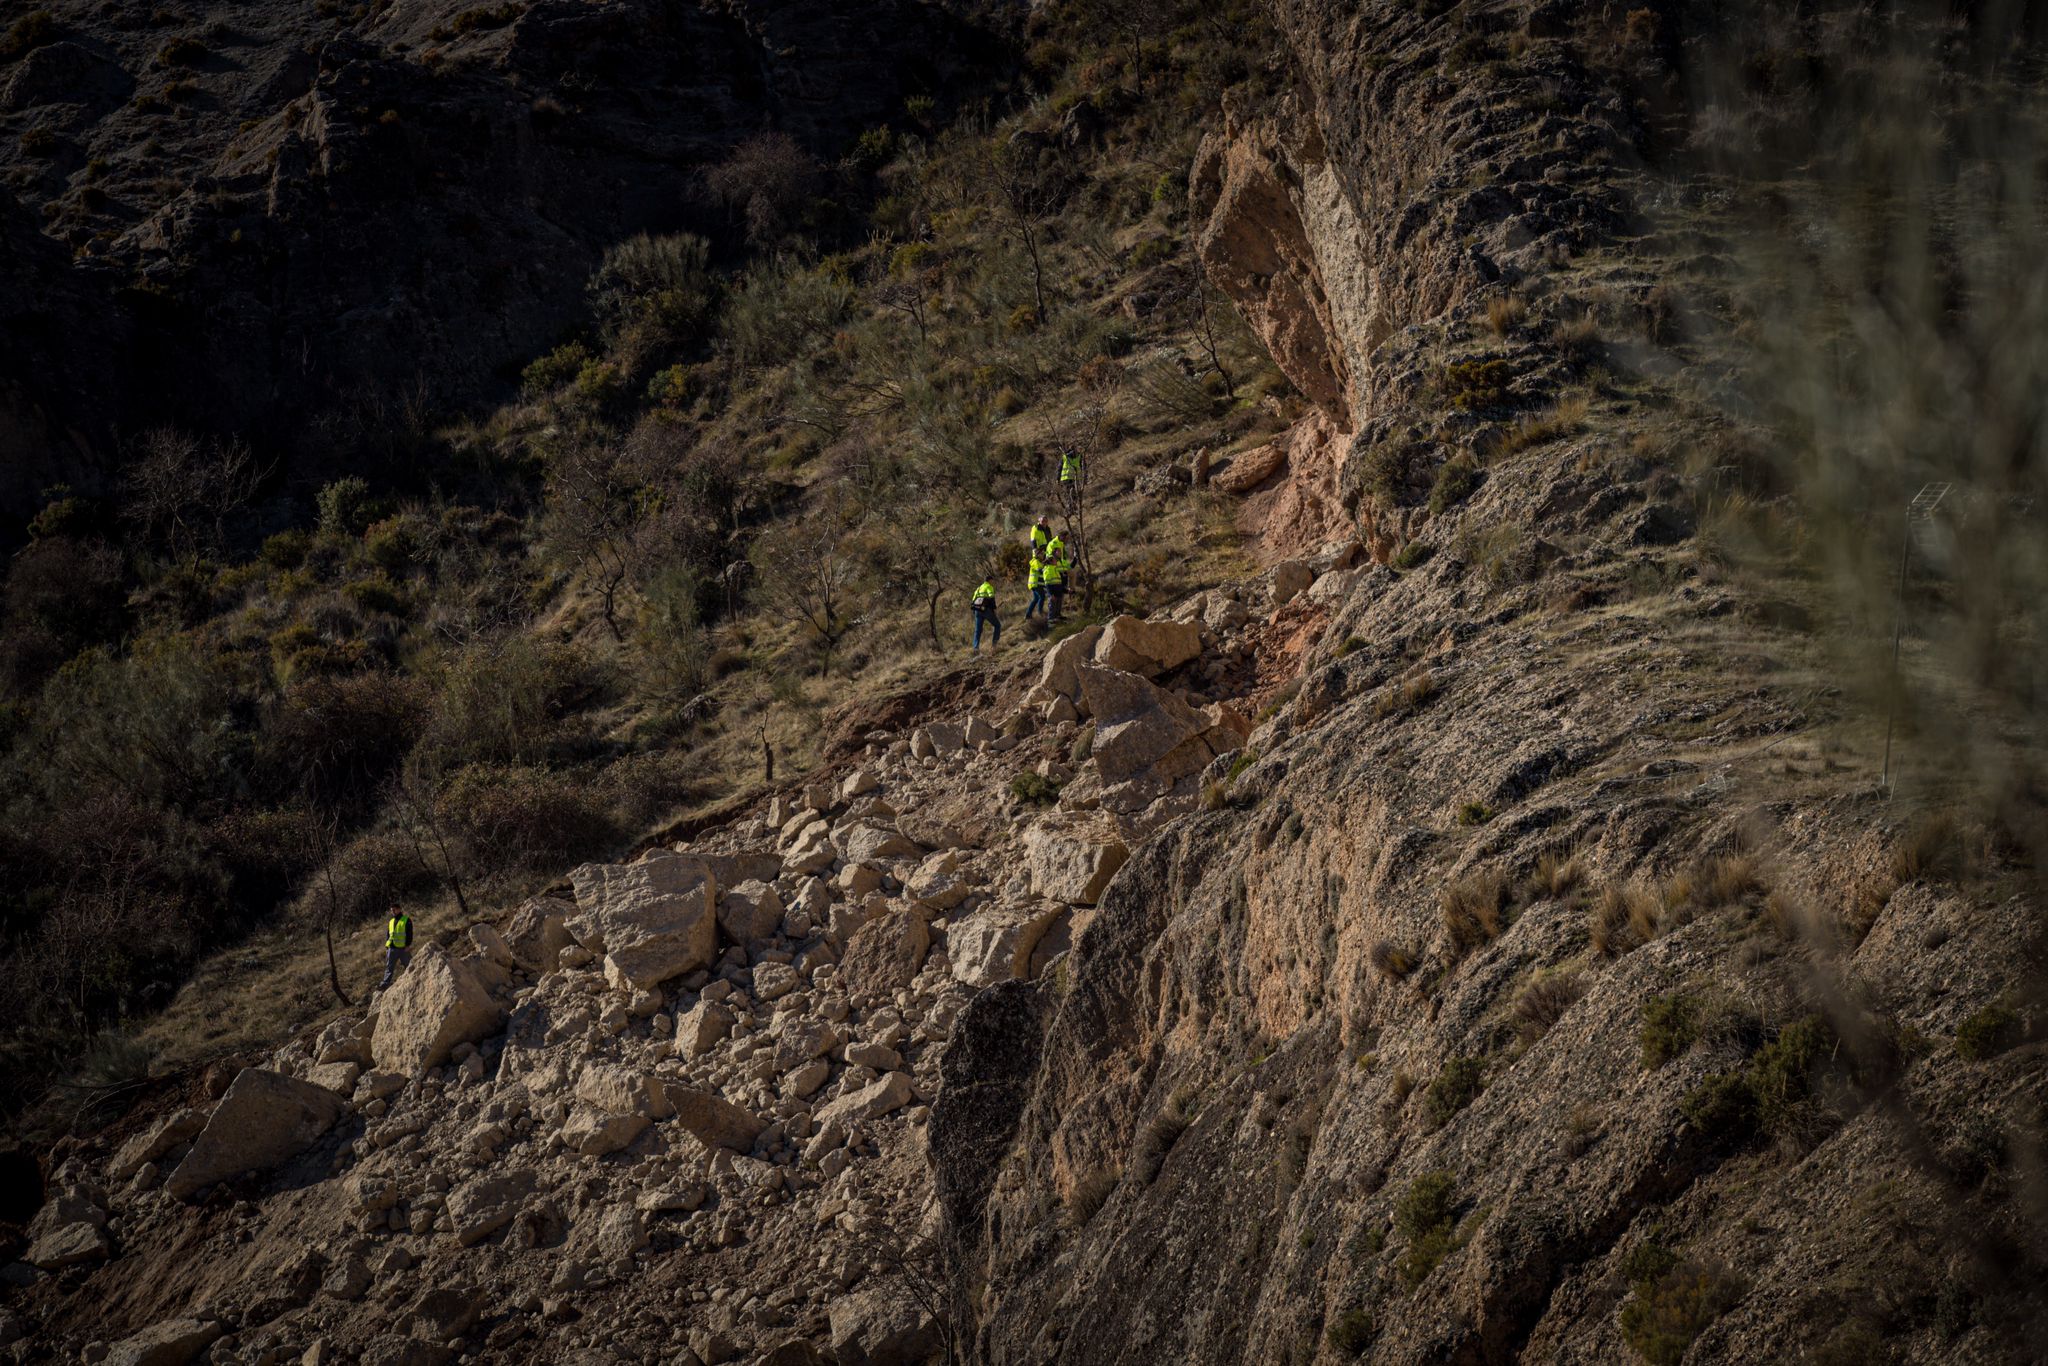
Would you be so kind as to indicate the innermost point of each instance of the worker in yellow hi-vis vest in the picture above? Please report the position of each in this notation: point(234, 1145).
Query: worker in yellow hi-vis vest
point(397, 945)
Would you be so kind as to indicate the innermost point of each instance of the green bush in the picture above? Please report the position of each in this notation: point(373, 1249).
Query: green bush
point(1423, 1215)
point(1033, 788)
point(1474, 813)
point(1474, 384)
point(345, 507)
point(287, 549)
point(1723, 1108)
point(598, 383)
point(400, 543)
point(1661, 1320)
point(1987, 1033)
point(1647, 1263)
point(557, 368)
point(1457, 1086)
point(1455, 482)
point(666, 281)
point(1350, 1333)
point(1670, 1026)
point(674, 387)
point(378, 593)
point(1413, 555)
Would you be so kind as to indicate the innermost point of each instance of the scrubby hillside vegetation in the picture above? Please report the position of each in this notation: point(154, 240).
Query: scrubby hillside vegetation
point(1526, 846)
point(749, 492)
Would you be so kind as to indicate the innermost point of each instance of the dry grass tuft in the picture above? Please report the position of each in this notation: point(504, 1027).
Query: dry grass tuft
point(1089, 1195)
point(1505, 313)
point(1392, 961)
point(1557, 876)
point(1543, 1003)
point(1472, 910)
point(1625, 917)
point(1935, 848)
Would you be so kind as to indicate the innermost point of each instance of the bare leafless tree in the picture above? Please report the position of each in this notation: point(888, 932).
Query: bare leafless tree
point(806, 574)
point(1024, 189)
point(182, 490)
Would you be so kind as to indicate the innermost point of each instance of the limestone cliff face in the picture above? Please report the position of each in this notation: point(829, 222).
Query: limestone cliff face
point(1376, 198)
point(1349, 1066)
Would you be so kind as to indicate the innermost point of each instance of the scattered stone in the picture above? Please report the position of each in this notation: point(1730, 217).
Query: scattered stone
point(170, 1343)
point(594, 1133)
point(712, 1120)
point(702, 1028)
point(750, 912)
point(1073, 861)
point(1150, 648)
point(477, 1209)
point(884, 956)
point(880, 1097)
point(153, 1142)
point(881, 1327)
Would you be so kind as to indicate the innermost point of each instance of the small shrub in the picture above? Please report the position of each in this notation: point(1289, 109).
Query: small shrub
point(1392, 961)
point(1661, 1320)
point(1405, 696)
point(1423, 1215)
point(1457, 1086)
point(673, 388)
point(31, 31)
point(1351, 646)
point(1544, 1002)
point(39, 141)
point(181, 52)
point(1557, 875)
point(554, 370)
point(1244, 760)
point(1647, 1263)
point(378, 593)
point(397, 544)
point(1722, 1107)
point(1412, 555)
point(1215, 797)
point(1987, 1033)
point(1034, 788)
point(1161, 1132)
point(1474, 384)
point(1083, 747)
point(345, 507)
point(1578, 336)
point(1455, 482)
point(1474, 813)
point(1350, 1333)
point(1472, 910)
point(1670, 1026)
point(1781, 1073)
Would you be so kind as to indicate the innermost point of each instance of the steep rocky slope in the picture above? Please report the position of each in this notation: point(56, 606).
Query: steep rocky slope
point(1547, 987)
point(285, 219)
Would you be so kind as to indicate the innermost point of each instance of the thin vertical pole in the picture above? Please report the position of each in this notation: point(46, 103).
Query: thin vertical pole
point(1898, 631)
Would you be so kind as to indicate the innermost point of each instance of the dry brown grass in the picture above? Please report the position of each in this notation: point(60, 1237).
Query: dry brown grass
point(1557, 875)
point(1935, 848)
point(1625, 916)
point(1505, 313)
point(1392, 961)
point(1472, 909)
point(1565, 417)
point(1404, 696)
point(1089, 1194)
point(1543, 1003)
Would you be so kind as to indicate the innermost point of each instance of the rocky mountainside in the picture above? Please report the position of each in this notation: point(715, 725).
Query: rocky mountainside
point(1485, 933)
point(282, 220)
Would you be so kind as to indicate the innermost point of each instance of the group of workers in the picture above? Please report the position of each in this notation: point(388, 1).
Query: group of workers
point(1049, 568)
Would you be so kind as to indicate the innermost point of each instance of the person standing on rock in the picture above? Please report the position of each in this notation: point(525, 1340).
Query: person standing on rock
point(984, 605)
point(397, 945)
point(1034, 579)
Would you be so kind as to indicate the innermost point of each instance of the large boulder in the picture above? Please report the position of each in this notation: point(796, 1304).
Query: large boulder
point(170, 1343)
point(69, 1229)
point(1056, 677)
point(1147, 647)
point(539, 931)
point(1139, 726)
point(264, 1121)
point(435, 1005)
point(884, 955)
point(1073, 861)
point(750, 912)
point(879, 1326)
point(714, 1121)
point(996, 945)
point(652, 920)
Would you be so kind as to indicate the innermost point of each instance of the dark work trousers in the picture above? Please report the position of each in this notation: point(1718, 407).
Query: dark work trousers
point(987, 616)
